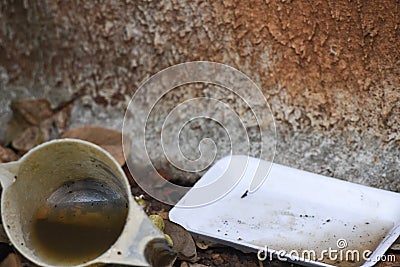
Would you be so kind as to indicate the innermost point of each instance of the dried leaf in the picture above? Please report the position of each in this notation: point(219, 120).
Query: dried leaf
point(183, 241)
point(12, 260)
point(163, 214)
point(108, 139)
point(396, 245)
point(7, 155)
point(34, 111)
point(62, 117)
point(27, 139)
point(16, 125)
point(206, 244)
point(169, 239)
point(34, 122)
point(202, 245)
point(158, 221)
point(217, 259)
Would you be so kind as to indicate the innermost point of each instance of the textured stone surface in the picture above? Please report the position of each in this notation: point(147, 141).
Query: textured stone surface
point(330, 70)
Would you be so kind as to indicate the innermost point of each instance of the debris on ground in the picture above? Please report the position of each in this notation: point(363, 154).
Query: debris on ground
point(34, 122)
point(7, 155)
point(158, 221)
point(183, 241)
point(396, 247)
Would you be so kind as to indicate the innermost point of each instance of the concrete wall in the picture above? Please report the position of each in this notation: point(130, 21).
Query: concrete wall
point(329, 70)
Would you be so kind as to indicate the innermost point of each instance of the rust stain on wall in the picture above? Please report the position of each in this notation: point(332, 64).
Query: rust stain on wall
point(327, 68)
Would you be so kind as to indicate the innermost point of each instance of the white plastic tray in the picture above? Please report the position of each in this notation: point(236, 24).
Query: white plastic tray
point(296, 211)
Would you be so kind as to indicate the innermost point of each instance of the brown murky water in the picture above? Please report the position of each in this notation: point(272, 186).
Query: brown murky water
point(76, 230)
point(75, 238)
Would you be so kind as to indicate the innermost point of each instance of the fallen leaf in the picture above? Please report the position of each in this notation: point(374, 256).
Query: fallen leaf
point(183, 241)
point(202, 245)
point(27, 139)
point(7, 155)
point(163, 214)
point(33, 111)
point(396, 245)
point(62, 117)
point(12, 260)
point(206, 244)
point(34, 122)
point(169, 239)
point(158, 221)
point(108, 139)
point(218, 260)
point(54, 126)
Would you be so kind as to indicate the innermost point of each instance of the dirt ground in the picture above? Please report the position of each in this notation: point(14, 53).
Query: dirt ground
point(213, 254)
